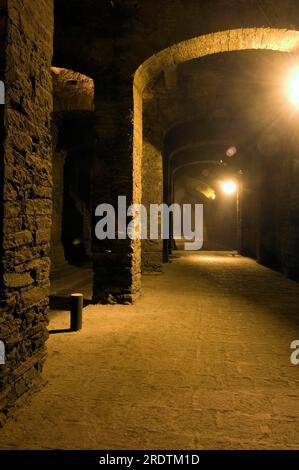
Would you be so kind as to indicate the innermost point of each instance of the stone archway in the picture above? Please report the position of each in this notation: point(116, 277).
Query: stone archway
point(281, 40)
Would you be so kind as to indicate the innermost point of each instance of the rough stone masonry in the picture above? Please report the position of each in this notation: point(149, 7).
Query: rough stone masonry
point(26, 38)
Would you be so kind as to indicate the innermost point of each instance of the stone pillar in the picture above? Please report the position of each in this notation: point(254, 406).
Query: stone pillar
point(116, 173)
point(26, 191)
point(152, 193)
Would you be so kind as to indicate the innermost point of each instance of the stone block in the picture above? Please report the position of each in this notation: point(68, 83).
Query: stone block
point(17, 280)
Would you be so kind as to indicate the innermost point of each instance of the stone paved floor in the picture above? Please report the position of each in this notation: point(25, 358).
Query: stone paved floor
point(201, 361)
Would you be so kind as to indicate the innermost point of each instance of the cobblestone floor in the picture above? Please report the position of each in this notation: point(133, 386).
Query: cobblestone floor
point(201, 361)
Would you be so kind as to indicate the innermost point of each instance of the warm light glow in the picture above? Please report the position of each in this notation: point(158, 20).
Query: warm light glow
point(231, 152)
point(293, 87)
point(229, 187)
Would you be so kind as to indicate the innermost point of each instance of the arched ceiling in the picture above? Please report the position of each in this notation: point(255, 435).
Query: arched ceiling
point(235, 99)
point(282, 40)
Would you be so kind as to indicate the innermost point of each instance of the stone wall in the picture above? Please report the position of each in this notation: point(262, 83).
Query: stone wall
point(26, 193)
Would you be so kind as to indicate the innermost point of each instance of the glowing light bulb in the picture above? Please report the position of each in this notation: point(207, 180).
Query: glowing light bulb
point(293, 87)
point(229, 187)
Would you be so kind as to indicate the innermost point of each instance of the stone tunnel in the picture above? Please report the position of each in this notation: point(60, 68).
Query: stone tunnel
point(191, 107)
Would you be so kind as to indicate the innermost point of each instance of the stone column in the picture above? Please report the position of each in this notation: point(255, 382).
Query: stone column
point(115, 173)
point(152, 193)
point(26, 191)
